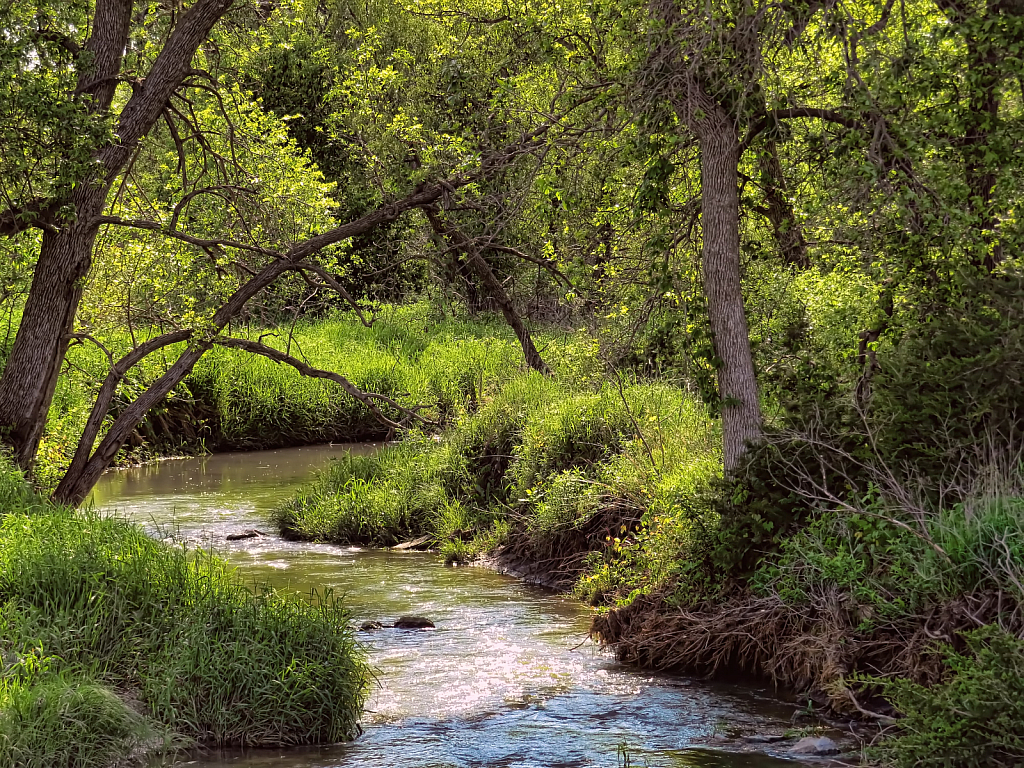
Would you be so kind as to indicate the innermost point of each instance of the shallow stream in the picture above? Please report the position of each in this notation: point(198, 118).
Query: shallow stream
point(507, 680)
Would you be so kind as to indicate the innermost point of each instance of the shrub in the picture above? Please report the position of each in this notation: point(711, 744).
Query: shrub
point(971, 720)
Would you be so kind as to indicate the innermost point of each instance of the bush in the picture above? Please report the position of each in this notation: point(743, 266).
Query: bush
point(971, 720)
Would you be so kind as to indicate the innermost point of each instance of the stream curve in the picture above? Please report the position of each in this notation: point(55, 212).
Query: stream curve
point(508, 678)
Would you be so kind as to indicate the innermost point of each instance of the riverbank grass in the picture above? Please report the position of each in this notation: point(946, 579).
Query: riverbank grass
point(234, 400)
point(539, 472)
point(131, 645)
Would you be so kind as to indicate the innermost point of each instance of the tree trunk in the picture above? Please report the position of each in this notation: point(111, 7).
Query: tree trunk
point(30, 374)
point(497, 292)
point(76, 485)
point(737, 381)
point(715, 128)
point(478, 265)
point(789, 235)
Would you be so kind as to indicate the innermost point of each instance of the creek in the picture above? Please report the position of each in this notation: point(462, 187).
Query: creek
point(507, 679)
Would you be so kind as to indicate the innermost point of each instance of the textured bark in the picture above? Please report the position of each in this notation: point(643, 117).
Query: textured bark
point(720, 147)
point(737, 381)
point(482, 269)
point(789, 235)
point(30, 374)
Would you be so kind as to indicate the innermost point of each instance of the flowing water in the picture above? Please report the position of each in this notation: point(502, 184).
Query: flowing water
point(507, 679)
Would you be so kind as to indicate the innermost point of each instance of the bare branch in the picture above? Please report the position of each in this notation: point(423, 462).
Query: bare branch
point(366, 398)
point(155, 226)
point(776, 115)
point(545, 263)
point(217, 190)
point(336, 286)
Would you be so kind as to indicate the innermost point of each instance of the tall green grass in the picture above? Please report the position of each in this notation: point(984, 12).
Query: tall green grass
point(112, 643)
point(235, 400)
point(543, 465)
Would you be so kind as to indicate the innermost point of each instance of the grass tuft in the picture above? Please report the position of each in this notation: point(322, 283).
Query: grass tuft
point(91, 605)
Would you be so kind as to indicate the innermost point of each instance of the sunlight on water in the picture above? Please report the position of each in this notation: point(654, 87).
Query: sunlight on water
point(508, 677)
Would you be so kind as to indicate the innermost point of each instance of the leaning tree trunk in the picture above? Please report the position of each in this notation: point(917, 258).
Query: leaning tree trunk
point(30, 373)
point(737, 381)
point(495, 289)
point(789, 235)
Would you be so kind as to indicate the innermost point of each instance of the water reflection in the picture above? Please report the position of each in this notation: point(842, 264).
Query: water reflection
point(508, 678)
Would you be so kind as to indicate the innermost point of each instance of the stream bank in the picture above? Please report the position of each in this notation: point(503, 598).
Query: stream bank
point(502, 681)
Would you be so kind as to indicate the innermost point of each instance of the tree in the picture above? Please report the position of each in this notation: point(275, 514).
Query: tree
point(711, 101)
point(69, 213)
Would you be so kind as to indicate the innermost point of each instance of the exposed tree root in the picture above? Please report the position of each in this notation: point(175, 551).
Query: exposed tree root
point(557, 559)
point(813, 649)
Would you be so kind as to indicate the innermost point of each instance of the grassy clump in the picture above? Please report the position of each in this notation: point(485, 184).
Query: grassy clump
point(575, 478)
point(62, 720)
point(90, 606)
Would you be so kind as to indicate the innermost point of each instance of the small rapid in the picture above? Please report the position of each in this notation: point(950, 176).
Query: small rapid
point(508, 678)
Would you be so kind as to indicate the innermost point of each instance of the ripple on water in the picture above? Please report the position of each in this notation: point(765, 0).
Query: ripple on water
point(507, 678)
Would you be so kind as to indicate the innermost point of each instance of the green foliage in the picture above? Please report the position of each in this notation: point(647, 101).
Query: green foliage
point(970, 720)
point(948, 384)
point(90, 604)
point(59, 720)
point(260, 670)
point(888, 566)
point(539, 463)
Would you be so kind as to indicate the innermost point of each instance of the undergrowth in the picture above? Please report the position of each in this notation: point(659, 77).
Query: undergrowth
point(115, 644)
point(560, 479)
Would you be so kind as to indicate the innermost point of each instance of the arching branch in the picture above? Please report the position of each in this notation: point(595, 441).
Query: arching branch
point(199, 242)
point(773, 117)
point(369, 399)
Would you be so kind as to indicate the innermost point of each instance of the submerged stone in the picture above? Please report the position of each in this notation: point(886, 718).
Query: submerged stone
point(414, 622)
point(252, 533)
point(764, 738)
point(370, 626)
point(815, 745)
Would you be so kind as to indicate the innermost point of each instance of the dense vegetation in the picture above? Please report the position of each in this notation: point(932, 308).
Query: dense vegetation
point(115, 645)
point(710, 312)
